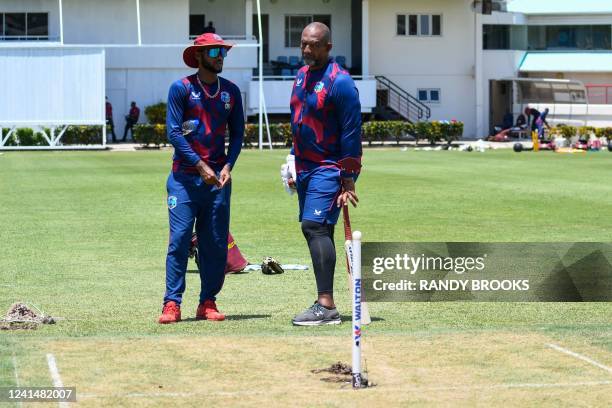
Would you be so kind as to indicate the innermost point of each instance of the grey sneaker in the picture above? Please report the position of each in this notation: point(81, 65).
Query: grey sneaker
point(317, 315)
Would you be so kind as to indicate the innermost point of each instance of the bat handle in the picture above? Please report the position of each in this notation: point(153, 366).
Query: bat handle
point(348, 235)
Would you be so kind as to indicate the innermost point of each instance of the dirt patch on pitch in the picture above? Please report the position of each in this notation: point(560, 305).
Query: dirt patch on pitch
point(341, 371)
point(21, 316)
point(342, 374)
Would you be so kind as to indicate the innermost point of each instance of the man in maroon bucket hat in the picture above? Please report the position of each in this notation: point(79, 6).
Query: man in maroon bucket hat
point(201, 108)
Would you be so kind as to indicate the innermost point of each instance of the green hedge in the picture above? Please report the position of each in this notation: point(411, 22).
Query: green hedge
point(279, 133)
point(82, 135)
point(583, 131)
point(156, 114)
point(380, 131)
point(74, 135)
point(146, 134)
point(433, 131)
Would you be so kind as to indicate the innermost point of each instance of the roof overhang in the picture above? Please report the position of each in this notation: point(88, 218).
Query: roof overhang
point(549, 91)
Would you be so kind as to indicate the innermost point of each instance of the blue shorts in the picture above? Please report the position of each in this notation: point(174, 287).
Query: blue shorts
point(318, 191)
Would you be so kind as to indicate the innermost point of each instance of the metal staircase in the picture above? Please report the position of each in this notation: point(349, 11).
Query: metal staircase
point(394, 103)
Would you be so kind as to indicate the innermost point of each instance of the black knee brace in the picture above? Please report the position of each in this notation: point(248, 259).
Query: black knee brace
point(320, 239)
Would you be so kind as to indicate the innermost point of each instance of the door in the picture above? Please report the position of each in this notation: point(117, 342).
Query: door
point(265, 31)
point(500, 102)
point(118, 98)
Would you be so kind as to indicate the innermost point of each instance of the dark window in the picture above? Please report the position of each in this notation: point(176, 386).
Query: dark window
point(436, 25)
point(504, 37)
point(197, 22)
point(1, 24)
point(294, 25)
point(412, 24)
point(496, 37)
point(323, 18)
point(419, 25)
point(431, 95)
point(15, 24)
point(536, 37)
point(602, 36)
point(401, 25)
point(38, 24)
point(569, 37)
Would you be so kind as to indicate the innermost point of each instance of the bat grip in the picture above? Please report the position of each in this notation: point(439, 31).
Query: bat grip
point(348, 234)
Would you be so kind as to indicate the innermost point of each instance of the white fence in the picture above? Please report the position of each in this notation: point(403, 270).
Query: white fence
point(51, 87)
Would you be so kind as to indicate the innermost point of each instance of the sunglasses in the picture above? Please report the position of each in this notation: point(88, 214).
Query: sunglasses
point(215, 52)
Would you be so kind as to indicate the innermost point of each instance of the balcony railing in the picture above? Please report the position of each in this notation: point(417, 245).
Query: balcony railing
point(28, 38)
point(599, 94)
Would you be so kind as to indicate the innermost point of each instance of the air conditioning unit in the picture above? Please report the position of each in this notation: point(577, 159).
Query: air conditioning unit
point(489, 6)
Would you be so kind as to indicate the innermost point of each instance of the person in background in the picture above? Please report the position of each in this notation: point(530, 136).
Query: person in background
point(210, 28)
point(109, 119)
point(130, 120)
point(541, 122)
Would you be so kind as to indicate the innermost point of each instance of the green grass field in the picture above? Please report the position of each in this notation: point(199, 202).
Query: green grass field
point(83, 236)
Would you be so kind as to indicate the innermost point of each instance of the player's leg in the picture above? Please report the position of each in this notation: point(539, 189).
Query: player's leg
point(320, 240)
point(212, 229)
point(319, 215)
point(125, 130)
point(181, 214)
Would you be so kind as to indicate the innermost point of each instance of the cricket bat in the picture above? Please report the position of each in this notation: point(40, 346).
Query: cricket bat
point(348, 248)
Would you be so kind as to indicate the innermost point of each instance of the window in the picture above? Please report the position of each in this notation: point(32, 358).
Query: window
point(294, 25)
point(422, 25)
point(24, 26)
point(401, 24)
point(412, 27)
point(496, 37)
point(436, 25)
point(197, 22)
point(37, 24)
point(580, 37)
point(15, 24)
point(429, 95)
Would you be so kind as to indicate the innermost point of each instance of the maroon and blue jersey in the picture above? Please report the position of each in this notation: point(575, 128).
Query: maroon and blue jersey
point(209, 118)
point(325, 118)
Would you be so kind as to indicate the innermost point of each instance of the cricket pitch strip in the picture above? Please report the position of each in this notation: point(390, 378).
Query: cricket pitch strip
point(488, 368)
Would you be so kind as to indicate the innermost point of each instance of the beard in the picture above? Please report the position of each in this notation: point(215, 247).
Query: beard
point(310, 61)
point(210, 67)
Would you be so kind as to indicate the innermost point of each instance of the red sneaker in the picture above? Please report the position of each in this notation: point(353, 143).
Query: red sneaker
point(208, 311)
point(171, 313)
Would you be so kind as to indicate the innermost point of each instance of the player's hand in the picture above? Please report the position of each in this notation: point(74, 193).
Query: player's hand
point(207, 174)
point(291, 183)
point(225, 177)
point(348, 193)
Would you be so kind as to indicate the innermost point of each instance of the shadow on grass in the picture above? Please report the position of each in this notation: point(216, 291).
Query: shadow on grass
point(234, 317)
point(348, 318)
point(227, 274)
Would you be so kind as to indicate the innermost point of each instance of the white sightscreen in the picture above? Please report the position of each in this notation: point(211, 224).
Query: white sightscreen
point(51, 85)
